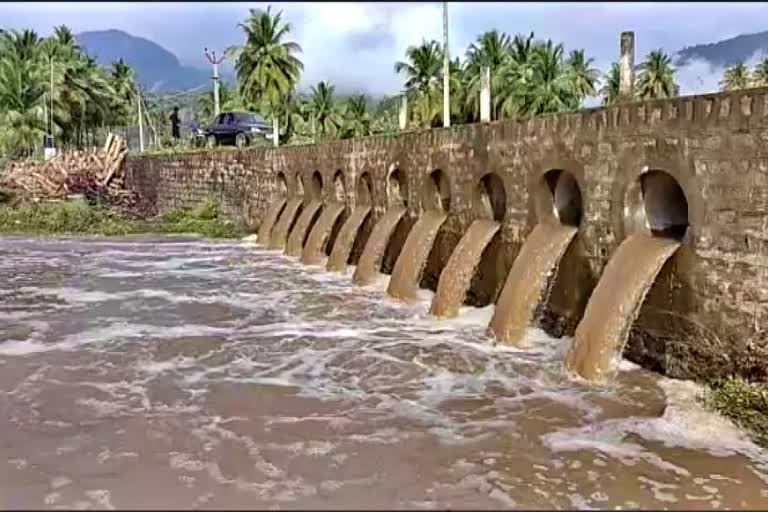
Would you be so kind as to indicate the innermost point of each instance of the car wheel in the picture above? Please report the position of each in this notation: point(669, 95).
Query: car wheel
point(241, 140)
point(210, 141)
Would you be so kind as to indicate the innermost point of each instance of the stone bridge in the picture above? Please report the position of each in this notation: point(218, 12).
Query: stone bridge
point(695, 167)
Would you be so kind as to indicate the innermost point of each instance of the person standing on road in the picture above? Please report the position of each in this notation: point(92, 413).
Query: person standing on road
point(175, 123)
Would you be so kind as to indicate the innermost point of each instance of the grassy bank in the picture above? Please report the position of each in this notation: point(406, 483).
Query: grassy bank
point(77, 217)
point(745, 403)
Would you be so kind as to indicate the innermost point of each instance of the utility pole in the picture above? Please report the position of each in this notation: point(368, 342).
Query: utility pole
point(215, 63)
point(51, 124)
point(446, 70)
point(141, 123)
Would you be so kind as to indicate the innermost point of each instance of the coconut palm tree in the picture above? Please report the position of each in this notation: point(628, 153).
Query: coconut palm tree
point(611, 85)
point(266, 64)
point(656, 78)
point(323, 111)
point(735, 77)
point(492, 49)
point(552, 86)
point(760, 74)
point(516, 75)
point(423, 72)
point(22, 120)
point(584, 78)
point(357, 122)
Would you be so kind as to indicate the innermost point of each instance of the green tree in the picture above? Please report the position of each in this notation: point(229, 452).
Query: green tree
point(493, 50)
point(760, 74)
point(357, 122)
point(423, 85)
point(324, 113)
point(735, 77)
point(656, 79)
point(266, 64)
point(611, 85)
point(583, 77)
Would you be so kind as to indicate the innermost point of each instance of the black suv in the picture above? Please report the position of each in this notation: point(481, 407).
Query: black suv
point(238, 128)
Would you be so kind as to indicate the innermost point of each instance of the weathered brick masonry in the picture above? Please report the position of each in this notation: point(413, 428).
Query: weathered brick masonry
point(706, 312)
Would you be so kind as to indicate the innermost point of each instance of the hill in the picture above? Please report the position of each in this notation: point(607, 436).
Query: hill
point(156, 68)
point(726, 52)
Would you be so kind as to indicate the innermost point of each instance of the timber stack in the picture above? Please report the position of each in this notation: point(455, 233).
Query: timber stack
point(97, 175)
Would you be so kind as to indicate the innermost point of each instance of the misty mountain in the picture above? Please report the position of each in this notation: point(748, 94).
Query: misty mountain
point(156, 68)
point(726, 52)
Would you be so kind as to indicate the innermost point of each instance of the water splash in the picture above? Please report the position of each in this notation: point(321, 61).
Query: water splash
point(457, 274)
point(615, 304)
point(527, 281)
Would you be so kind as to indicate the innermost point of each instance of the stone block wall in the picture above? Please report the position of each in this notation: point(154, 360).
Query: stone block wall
point(704, 315)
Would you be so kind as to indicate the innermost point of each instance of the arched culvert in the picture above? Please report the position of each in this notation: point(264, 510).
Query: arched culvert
point(363, 189)
point(397, 191)
point(490, 198)
point(339, 189)
point(282, 186)
point(436, 192)
point(665, 204)
point(560, 198)
point(316, 191)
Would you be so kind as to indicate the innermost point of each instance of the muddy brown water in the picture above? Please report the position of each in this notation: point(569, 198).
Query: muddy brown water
point(370, 260)
point(184, 373)
point(413, 257)
point(615, 304)
point(527, 281)
point(337, 262)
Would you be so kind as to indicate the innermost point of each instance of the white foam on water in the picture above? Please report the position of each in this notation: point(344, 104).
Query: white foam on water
point(250, 239)
point(684, 423)
point(22, 347)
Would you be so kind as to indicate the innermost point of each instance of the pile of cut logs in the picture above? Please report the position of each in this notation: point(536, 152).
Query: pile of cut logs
point(97, 175)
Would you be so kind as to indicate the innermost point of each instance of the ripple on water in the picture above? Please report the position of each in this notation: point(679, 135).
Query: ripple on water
point(225, 375)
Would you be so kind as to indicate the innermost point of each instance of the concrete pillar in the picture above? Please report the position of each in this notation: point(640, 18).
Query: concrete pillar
point(403, 117)
point(627, 66)
point(485, 94)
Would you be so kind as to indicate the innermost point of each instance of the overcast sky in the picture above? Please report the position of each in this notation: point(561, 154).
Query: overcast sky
point(354, 45)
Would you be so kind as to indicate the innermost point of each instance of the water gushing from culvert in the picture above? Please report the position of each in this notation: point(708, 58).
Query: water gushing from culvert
point(265, 230)
point(370, 259)
point(299, 233)
point(337, 262)
point(404, 283)
point(457, 274)
point(314, 250)
point(284, 222)
point(527, 280)
point(615, 304)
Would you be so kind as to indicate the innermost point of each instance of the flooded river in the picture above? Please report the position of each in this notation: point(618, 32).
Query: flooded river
point(181, 373)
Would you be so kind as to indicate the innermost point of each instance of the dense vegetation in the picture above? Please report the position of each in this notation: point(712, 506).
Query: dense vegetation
point(529, 76)
point(49, 84)
point(743, 402)
point(78, 217)
point(739, 76)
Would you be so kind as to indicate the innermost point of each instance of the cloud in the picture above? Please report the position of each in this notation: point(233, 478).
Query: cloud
point(698, 76)
point(355, 45)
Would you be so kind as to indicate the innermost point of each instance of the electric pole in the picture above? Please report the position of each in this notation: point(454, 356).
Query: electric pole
point(446, 70)
point(141, 123)
point(215, 63)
